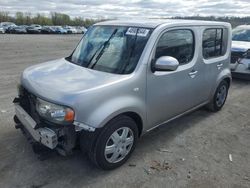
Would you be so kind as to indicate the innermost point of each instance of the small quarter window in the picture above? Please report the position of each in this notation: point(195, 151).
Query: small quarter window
point(178, 44)
point(213, 44)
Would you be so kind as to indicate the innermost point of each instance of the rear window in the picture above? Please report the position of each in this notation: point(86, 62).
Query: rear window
point(214, 42)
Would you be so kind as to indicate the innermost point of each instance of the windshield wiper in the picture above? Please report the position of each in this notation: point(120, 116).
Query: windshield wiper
point(101, 49)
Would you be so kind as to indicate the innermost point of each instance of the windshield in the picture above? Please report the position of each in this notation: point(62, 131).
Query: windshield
point(240, 34)
point(113, 49)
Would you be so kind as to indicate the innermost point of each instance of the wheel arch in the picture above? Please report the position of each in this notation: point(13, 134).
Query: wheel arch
point(133, 115)
point(224, 75)
point(228, 80)
point(138, 120)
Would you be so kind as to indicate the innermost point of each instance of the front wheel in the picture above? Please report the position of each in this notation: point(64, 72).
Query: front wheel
point(115, 143)
point(220, 97)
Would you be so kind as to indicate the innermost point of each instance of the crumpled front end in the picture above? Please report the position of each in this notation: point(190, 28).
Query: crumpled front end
point(38, 130)
point(240, 60)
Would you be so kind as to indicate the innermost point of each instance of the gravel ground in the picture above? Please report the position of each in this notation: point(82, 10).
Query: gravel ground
point(192, 151)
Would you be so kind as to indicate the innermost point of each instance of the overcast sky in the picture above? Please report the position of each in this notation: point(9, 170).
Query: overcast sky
point(130, 8)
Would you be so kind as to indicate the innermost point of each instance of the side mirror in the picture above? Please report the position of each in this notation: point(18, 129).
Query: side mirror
point(165, 63)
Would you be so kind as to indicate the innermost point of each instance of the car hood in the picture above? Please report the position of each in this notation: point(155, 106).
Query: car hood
point(240, 46)
point(61, 79)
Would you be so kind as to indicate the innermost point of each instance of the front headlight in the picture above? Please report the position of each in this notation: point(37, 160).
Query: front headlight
point(54, 113)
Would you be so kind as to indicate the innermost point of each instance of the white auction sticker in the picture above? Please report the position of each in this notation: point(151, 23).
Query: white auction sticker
point(141, 32)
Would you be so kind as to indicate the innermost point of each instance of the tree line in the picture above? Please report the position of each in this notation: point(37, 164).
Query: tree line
point(55, 18)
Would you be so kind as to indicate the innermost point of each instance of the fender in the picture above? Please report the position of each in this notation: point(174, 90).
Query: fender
point(114, 107)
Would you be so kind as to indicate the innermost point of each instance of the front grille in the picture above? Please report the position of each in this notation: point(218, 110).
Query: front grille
point(28, 102)
point(236, 55)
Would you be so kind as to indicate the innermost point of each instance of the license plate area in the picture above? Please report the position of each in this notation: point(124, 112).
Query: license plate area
point(45, 135)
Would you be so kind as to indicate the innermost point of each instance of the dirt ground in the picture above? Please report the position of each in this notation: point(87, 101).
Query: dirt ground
point(192, 151)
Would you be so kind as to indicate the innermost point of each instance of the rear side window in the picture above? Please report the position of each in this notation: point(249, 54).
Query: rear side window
point(178, 44)
point(213, 43)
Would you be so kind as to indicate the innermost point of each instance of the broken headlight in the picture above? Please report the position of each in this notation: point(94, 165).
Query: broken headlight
point(54, 113)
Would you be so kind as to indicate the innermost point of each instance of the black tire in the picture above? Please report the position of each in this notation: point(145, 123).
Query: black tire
point(96, 153)
point(213, 105)
point(16, 120)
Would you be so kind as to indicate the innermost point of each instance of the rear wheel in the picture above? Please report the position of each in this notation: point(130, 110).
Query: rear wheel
point(115, 143)
point(220, 97)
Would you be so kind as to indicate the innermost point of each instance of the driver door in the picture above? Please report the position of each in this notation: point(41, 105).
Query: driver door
point(170, 93)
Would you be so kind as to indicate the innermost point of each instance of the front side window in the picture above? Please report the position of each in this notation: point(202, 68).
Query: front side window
point(178, 44)
point(113, 49)
point(212, 43)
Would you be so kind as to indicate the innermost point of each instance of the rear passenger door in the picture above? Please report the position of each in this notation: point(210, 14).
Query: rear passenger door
point(214, 47)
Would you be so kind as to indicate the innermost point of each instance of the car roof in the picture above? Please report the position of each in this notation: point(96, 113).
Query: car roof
point(153, 23)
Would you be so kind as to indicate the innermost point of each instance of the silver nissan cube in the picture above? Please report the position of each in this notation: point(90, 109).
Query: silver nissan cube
point(122, 80)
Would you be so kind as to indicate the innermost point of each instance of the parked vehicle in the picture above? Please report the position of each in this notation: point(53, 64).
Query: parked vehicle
point(240, 57)
point(84, 30)
point(48, 30)
point(19, 29)
point(34, 29)
point(2, 30)
point(10, 29)
point(124, 79)
point(80, 30)
point(60, 30)
point(6, 25)
point(70, 30)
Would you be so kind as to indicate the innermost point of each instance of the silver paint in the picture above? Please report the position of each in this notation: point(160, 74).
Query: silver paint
point(97, 97)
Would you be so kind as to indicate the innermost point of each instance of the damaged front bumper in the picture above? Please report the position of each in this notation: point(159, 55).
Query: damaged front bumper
point(45, 136)
point(54, 137)
point(63, 139)
point(39, 131)
point(241, 69)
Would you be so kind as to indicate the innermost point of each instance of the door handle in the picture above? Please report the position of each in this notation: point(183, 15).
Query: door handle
point(219, 66)
point(193, 74)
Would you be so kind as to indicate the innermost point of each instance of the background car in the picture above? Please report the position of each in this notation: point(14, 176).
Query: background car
point(6, 25)
point(60, 30)
point(2, 29)
point(70, 30)
point(48, 30)
point(19, 29)
point(80, 30)
point(34, 29)
point(240, 55)
point(10, 29)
